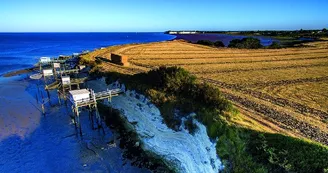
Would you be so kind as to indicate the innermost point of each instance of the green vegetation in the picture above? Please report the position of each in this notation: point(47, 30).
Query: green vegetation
point(205, 42)
point(210, 43)
point(245, 43)
point(219, 44)
point(271, 33)
point(177, 93)
point(274, 45)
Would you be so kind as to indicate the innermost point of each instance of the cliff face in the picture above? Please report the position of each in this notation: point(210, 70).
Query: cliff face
point(180, 150)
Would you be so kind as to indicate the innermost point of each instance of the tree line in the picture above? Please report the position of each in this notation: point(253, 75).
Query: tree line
point(245, 43)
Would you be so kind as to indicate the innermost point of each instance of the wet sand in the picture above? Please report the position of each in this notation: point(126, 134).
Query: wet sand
point(31, 142)
point(19, 72)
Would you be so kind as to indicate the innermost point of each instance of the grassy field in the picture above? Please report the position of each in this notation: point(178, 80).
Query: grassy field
point(276, 90)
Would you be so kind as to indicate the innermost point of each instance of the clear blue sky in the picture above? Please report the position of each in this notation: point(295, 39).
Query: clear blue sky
point(160, 15)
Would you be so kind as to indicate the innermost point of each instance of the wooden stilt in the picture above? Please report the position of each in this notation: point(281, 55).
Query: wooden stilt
point(42, 104)
point(55, 73)
point(58, 95)
point(78, 118)
point(48, 94)
point(36, 97)
point(92, 123)
point(89, 112)
point(74, 118)
point(42, 107)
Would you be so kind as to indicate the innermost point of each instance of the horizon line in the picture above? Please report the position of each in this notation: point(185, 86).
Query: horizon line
point(155, 31)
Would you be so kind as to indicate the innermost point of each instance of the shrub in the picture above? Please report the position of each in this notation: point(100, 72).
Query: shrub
point(274, 45)
point(246, 43)
point(190, 126)
point(219, 44)
point(210, 96)
point(168, 114)
point(285, 153)
point(205, 42)
point(235, 43)
point(96, 72)
point(170, 79)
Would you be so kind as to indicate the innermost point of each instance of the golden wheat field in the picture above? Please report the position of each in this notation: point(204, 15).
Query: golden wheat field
point(276, 90)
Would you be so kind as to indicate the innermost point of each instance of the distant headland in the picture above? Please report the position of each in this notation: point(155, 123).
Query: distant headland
point(315, 33)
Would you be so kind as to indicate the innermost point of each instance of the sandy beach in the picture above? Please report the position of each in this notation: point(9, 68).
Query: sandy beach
point(13, 120)
point(31, 142)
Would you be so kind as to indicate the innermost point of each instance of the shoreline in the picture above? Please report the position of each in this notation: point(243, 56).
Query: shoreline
point(19, 72)
point(284, 140)
point(26, 135)
point(182, 37)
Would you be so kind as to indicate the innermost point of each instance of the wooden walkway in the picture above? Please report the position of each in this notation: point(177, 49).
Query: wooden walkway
point(52, 61)
point(95, 96)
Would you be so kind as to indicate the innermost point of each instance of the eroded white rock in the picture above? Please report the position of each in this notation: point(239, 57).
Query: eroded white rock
point(185, 152)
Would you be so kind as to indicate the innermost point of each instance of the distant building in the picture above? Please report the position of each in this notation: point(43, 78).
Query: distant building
point(182, 32)
point(187, 32)
point(45, 59)
point(173, 32)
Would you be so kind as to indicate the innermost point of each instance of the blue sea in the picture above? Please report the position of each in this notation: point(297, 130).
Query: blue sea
point(22, 50)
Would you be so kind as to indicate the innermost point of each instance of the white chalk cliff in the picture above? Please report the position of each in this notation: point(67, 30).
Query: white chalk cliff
point(181, 150)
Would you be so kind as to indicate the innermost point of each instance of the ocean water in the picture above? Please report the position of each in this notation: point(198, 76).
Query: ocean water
point(22, 50)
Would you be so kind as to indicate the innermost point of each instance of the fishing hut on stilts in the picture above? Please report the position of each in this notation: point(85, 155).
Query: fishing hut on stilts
point(68, 88)
point(88, 98)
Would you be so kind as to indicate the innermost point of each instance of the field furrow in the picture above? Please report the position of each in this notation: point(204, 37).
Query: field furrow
point(284, 120)
point(244, 67)
point(219, 61)
point(286, 88)
point(273, 77)
point(301, 108)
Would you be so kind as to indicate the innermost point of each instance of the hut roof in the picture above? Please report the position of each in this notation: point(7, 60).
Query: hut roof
point(79, 92)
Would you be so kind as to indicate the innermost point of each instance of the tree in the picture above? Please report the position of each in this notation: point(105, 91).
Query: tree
point(219, 44)
point(324, 30)
point(205, 42)
point(246, 43)
point(251, 43)
point(234, 43)
point(274, 45)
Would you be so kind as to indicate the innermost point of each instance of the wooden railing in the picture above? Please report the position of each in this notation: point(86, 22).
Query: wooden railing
point(97, 96)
